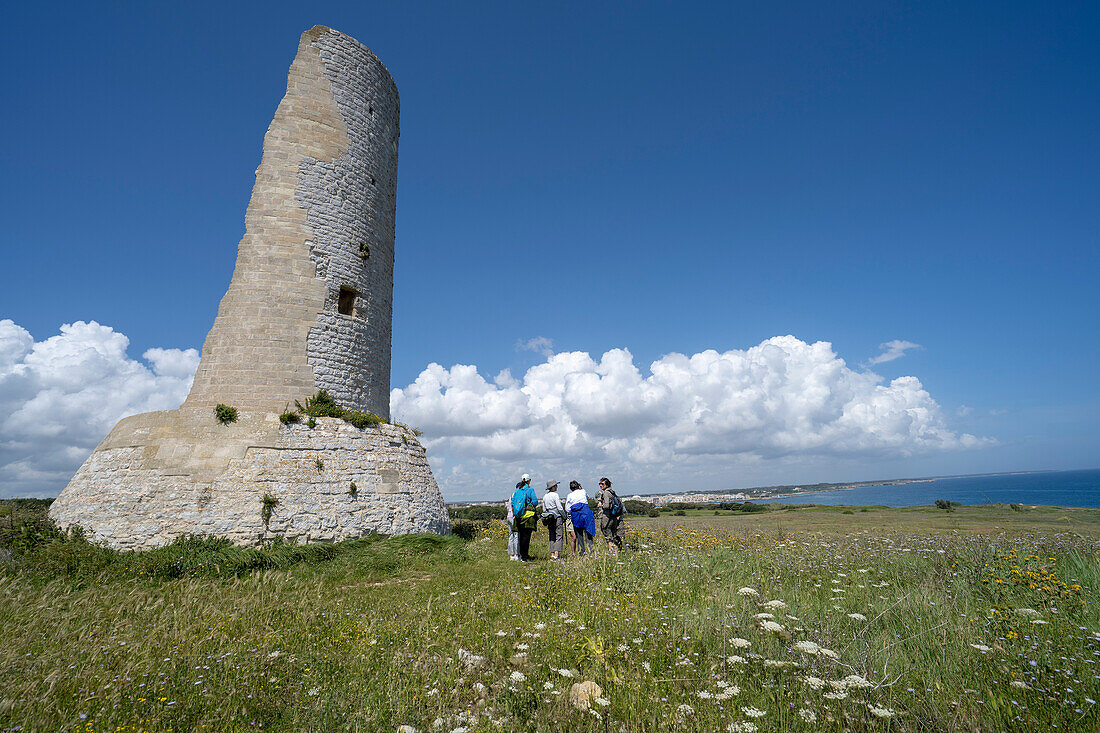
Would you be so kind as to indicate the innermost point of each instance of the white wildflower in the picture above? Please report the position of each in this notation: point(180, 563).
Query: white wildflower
point(776, 663)
point(815, 682)
point(548, 685)
point(828, 653)
point(739, 643)
point(685, 710)
point(522, 647)
point(982, 647)
point(854, 680)
point(565, 672)
point(746, 727)
point(807, 647)
point(704, 694)
point(880, 712)
point(502, 633)
point(807, 715)
point(602, 702)
point(746, 591)
point(839, 695)
point(776, 605)
point(771, 626)
point(764, 614)
point(1020, 684)
point(753, 712)
point(517, 677)
point(646, 666)
point(1028, 612)
point(1040, 622)
point(857, 616)
point(469, 659)
point(735, 660)
point(540, 626)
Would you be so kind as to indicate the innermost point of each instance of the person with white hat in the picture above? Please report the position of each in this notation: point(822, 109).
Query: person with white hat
point(553, 516)
point(523, 505)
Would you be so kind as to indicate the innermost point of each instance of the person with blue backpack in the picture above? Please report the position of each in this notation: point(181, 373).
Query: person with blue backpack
point(611, 516)
point(523, 505)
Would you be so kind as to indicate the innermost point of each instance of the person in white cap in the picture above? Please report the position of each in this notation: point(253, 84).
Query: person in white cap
point(553, 516)
point(524, 503)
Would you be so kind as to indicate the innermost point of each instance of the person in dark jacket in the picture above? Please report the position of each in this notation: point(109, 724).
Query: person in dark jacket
point(612, 527)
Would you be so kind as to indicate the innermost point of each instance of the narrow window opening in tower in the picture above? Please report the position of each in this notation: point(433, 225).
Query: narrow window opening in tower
point(346, 303)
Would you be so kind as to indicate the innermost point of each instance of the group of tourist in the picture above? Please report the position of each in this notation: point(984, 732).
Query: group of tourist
point(571, 518)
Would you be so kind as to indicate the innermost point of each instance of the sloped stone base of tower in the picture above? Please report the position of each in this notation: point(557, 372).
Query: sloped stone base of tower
point(162, 475)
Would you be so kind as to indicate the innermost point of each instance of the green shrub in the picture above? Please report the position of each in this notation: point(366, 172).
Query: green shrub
point(287, 417)
point(654, 513)
point(946, 505)
point(269, 503)
point(1016, 507)
point(362, 419)
point(467, 530)
point(749, 507)
point(847, 511)
point(225, 414)
point(680, 513)
point(478, 512)
point(320, 405)
point(637, 506)
point(311, 423)
point(318, 464)
point(353, 489)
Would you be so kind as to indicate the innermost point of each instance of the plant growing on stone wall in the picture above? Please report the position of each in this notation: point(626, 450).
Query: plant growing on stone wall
point(225, 414)
point(311, 423)
point(319, 464)
point(362, 419)
point(269, 503)
point(286, 417)
point(364, 250)
point(353, 489)
point(320, 405)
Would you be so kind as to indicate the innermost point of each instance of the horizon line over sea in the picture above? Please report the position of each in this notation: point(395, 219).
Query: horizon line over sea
point(1078, 488)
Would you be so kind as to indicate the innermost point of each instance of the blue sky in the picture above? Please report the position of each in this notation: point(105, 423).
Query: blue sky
point(672, 177)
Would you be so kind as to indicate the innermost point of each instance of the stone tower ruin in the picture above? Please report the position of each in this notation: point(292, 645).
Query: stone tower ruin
point(309, 307)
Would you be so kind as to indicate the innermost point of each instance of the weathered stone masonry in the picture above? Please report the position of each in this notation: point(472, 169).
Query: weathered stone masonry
point(309, 307)
point(326, 192)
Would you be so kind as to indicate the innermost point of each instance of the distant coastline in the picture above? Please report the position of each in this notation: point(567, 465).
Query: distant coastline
point(769, 493)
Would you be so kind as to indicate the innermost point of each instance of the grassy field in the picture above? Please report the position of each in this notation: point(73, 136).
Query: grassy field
point(982, 618)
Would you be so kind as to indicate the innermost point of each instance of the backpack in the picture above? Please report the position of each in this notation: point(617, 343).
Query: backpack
point(522, 512)
point(615, 509)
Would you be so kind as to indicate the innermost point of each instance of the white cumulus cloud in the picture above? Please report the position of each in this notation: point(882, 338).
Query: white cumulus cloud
point(59, 397)
point(781, 398)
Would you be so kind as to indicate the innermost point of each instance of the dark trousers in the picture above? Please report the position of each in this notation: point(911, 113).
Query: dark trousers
point(525, 542)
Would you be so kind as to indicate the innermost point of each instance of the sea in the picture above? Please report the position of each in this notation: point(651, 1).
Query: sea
point(1051, 488)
